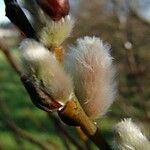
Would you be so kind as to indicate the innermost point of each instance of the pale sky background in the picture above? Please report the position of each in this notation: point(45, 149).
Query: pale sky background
point(144, 11)
point(2, 12)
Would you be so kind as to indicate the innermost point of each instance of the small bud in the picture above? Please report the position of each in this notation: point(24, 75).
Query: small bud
point(90, 65)
point(56, 9)
point(54, 33)
point(43, 65)
point(129, 137)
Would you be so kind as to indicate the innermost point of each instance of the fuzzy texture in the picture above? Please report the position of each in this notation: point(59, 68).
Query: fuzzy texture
point(129, 137)
point(56, 9)
point(90, 65)
point(55, 32)
point(50, 33)
point(42, 64)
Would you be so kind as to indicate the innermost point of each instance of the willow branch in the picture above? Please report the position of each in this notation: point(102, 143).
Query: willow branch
point(72, 111)
point(72, 114)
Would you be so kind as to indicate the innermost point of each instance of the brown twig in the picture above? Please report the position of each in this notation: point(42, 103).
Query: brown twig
point(11, 60)
point(19, 141)
point(84, 138)
point(59, 130)
point(73, 114)
point(132, 56)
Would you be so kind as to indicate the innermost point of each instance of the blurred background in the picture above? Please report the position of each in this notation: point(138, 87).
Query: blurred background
point(125, 25)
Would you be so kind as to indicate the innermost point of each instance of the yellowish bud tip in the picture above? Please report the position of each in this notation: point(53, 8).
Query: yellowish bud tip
point(55, 32)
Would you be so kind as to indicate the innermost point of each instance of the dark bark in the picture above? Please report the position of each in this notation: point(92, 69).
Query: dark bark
point(17, 17)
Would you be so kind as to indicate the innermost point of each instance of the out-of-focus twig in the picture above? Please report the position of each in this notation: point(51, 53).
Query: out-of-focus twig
point(19, 142)
point(58, 130)
point(84, 138)
point(134, 71)
point(59, 126)
point(11, 60)
point(20, 132)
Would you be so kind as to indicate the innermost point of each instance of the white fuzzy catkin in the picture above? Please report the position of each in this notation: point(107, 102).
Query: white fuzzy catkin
point(55, 32)
point(42, 64)
point(129, 137)
point(90, 65)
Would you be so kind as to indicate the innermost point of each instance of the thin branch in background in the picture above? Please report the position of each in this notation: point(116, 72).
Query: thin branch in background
point(17, 16)
point(135, 70)
point(5, 49)
point(59, 126)
point(19, 142)
point(130, 52)
point(84, 138)
point(20, 132)
point(9, 57)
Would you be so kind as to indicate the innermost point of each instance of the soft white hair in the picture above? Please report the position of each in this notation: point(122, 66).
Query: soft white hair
point(50, 33)
point(90, 65)
point(129, 137)
point(55, 32)
point(42, 64)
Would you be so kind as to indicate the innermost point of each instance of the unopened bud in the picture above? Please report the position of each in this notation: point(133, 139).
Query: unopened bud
point(56, 9)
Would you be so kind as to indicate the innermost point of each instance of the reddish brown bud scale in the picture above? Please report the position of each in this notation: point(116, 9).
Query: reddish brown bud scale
point(56, 9)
